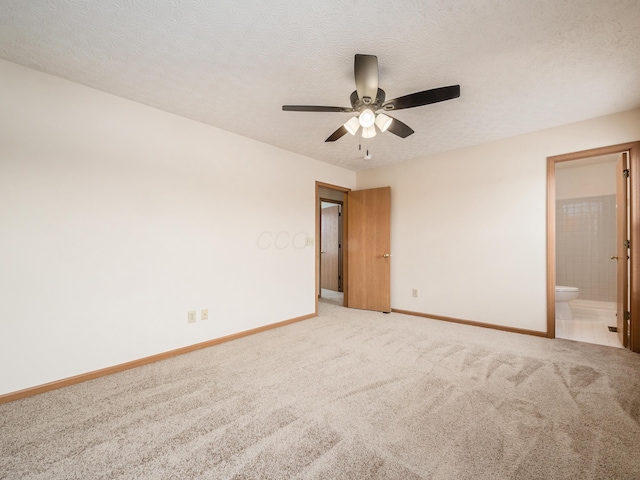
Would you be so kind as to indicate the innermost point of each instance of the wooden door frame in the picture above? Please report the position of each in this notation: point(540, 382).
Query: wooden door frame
point(345, 208)
point(634, 233)
point(621, 254)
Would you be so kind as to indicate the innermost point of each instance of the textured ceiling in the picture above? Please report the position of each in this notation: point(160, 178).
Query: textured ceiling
point(523, 65)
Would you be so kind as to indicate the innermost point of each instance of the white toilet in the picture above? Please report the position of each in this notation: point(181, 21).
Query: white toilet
point(563, 296)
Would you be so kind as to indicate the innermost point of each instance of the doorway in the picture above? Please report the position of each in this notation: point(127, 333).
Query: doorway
point(366, 256)
point(330, 259)
point(586, 265)
point(625, 218)
point(331, 239)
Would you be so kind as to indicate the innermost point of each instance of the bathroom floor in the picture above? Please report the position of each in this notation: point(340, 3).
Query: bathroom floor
point(589, 330)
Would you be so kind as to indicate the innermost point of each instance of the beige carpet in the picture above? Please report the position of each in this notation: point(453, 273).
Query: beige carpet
point(350, 394)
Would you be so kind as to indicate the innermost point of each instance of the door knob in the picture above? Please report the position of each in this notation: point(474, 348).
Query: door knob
point(386, 255)
point(614, 257)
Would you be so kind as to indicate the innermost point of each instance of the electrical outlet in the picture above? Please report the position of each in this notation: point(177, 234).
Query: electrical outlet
point(204, 314)
point(191, 316)
point(415, 292)
point(309, 242)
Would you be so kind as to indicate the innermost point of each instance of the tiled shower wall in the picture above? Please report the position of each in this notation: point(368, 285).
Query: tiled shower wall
point(585, 241)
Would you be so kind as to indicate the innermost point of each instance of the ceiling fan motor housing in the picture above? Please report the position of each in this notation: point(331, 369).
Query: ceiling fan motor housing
point(359, 105)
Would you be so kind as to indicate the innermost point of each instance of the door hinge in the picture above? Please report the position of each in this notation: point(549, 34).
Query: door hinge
point(627, 244)
point(627, 315)
point(625, 173)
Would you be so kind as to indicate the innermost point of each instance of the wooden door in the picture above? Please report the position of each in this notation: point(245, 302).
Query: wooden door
point(329, 247)
point(622, 248)
point(368, 251)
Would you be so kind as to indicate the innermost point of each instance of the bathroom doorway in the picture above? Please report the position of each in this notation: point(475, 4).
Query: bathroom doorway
point(590, 220)
point(586, 249)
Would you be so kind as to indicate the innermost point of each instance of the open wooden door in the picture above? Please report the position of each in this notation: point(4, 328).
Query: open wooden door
point(622, 248)
point(368, 244)
point(330, 248)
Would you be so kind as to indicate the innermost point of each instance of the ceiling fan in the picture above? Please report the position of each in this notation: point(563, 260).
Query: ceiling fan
point(368, 101)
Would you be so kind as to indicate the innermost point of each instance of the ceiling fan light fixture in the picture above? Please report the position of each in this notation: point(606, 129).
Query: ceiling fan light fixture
point(367, 118)
point(368, 99)
point(369, 132)
point(352, 125)
point(383, 122)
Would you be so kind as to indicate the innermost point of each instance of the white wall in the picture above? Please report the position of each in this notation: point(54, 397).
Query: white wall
point(116, 219)
point(469, 226)
point(586, 181)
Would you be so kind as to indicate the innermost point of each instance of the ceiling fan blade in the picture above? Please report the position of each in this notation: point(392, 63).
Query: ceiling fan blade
point(366, 73)
point(426, 97)
point(313, 108)
point(337, 134)
point(400, 129)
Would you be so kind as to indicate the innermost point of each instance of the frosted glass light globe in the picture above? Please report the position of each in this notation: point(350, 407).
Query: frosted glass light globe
point(367, 118)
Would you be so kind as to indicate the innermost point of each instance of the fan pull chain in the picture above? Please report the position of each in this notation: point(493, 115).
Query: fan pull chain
point(367, 156)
